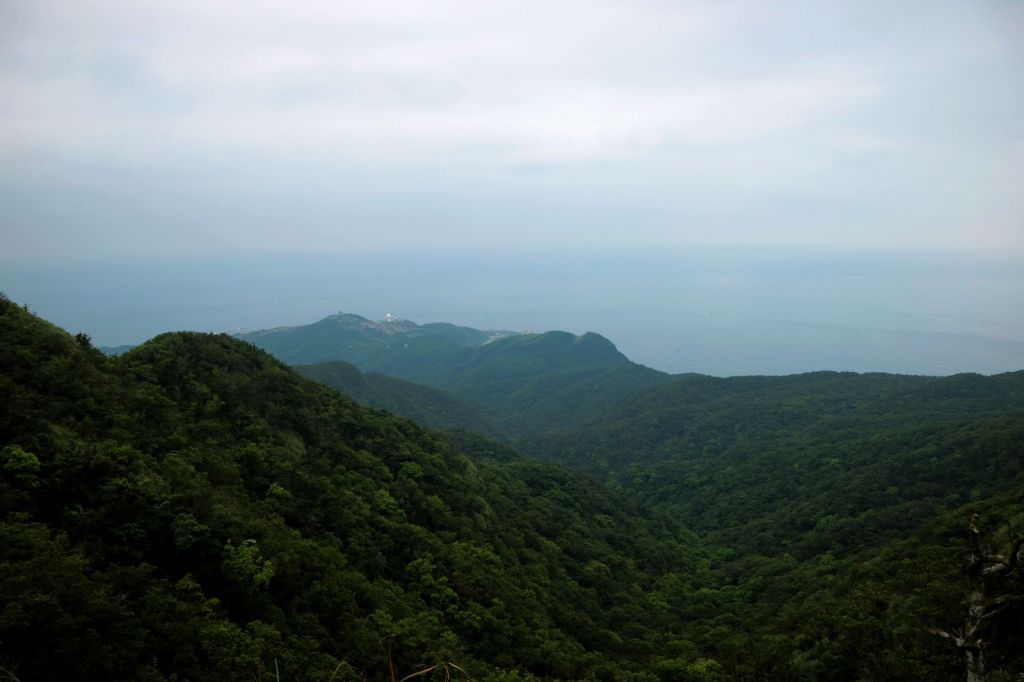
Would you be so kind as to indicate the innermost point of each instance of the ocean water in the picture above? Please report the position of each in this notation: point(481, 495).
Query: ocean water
point(715, 311)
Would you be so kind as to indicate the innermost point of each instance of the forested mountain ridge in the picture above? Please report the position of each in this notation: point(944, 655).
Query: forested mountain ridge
point(814, 463)
point(195, 510)
point(524, 383)
point(691, 412)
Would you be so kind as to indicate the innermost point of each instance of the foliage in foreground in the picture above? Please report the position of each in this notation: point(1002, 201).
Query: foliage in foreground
point(195, 510)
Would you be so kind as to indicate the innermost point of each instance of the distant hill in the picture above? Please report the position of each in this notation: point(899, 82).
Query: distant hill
point(524, 383)
point(539, 382)
point(423, 404)
point(114, 351)
point(370, 345)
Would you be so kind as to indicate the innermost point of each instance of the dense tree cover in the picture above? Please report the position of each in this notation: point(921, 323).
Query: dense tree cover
point(522, 383)
point(423, 404)
point(805, 451)
point(534, 383)
point(819, 496)
point(195, 510)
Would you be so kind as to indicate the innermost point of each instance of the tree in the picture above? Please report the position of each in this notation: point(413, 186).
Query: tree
point(987, 576)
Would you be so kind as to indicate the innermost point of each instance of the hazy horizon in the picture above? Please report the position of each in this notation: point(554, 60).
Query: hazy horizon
point(713, 311)
point(730, 187)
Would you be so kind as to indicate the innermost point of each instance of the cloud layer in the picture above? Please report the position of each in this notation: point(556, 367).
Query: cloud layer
point(198, 127)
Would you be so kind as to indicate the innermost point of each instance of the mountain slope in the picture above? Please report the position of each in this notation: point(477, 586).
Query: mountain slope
point(423, 404)
point(533, 383)
point(740, 455)
point(195, 510)
point(820, 496)
point(524, 383)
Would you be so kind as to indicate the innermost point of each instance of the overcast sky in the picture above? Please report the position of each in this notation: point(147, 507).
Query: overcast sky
point(191, 127)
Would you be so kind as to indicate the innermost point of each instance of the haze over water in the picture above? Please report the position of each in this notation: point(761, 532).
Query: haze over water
point(714, 311)
point(728, 187)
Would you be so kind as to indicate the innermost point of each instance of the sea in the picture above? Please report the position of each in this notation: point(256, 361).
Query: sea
point(717, 311)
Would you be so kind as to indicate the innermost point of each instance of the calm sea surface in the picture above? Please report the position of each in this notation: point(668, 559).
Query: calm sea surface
point(715, 311)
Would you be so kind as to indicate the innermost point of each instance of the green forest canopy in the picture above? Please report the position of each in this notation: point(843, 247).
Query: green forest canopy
point(195, 510)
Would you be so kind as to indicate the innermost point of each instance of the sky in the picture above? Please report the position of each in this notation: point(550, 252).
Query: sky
point(190, 128)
